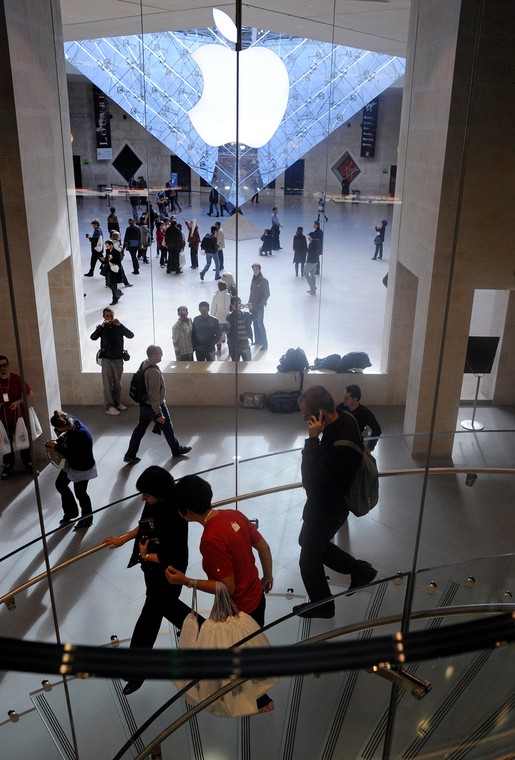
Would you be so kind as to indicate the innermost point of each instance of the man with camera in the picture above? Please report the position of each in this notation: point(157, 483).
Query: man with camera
point(111, 356)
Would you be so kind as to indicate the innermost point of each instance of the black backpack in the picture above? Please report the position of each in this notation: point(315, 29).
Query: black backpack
point(328, 362)
point(209, 244)
point(137, 388)
point(294, 360)
point(354, 360)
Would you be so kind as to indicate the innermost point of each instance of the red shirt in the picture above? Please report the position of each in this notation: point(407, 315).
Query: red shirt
point(226, 548)
point(12, 387)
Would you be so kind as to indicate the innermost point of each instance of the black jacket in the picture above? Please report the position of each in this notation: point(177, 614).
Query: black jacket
point(111, 339)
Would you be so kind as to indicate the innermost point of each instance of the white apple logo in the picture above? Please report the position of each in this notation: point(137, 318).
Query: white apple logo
point(263, 92)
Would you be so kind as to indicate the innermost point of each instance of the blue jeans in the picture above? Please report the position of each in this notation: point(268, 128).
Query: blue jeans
point(309, 274)
point(146, 416)
point(258, 315)
point(209, 258)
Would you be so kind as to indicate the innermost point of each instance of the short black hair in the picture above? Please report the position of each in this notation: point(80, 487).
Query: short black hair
point(194, 494)
point(203, 303)
point(156, 481)
point(354, 391)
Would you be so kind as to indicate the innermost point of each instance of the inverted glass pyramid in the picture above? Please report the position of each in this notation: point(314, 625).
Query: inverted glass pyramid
point(156, 80)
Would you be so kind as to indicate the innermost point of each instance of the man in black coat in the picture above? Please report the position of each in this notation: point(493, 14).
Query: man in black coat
point(111, 333)
point(131, 243)
point(327, 473)
point(174, 242)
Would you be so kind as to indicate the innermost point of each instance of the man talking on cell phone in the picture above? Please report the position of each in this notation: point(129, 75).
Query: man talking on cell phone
point(327, 473)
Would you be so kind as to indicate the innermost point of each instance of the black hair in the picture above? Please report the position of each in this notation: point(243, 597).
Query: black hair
point(156, 481)
point(354, 391)
point(317, 397)
point(193, 493)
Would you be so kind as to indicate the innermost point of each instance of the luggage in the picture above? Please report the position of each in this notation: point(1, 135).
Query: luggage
point(253, 400)
point(355, 361)
point(328, 362)
point(364, 491)
point(294, 360)
point(283, 402)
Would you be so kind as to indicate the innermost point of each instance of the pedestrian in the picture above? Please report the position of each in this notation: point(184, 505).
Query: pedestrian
point(131, 241)
point(12, 407)
point(300, 250)
point(227, 544)
point(222, 202)
point(117, 245)
point(193, 241)
point(174, 242)
point(220, 308)
point(181, 336)
point(268, 242)
point(96, 241)
point(144, 241)
point(328, 470)
point(364, 416)
point(209, 246)
point(240, 332)
point(159, 540)
point(205, 334)
point(154, 409)
point(111, 333)
point(275, 229)
point(321, 207)
point(160, 244)
point(379, 239)
point(74, 442)
point(111, 263)
point(213, 201)
point(112, 221)
point(319, 237)
point(220, 241)
point(258, 299)
point(312, 262)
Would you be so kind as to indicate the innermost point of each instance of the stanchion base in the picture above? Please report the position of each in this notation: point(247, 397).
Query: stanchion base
point(469, 425)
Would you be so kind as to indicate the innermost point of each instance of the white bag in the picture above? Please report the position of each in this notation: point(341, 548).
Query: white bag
point(182, 259)
point(21, 435)
point(225, 627)
point(35, 427)
point(99, 247)
point(5, 443)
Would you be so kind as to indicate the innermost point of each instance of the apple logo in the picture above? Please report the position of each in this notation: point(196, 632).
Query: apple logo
point(263, 92)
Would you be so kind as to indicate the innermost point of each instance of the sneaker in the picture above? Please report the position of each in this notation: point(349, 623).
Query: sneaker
point(112, 410)
point(121, 407)
point(131, 460)
point(182, 451)
point(362, 576)
point(323, 611)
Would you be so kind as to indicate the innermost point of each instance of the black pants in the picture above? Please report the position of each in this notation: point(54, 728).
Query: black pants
point(162, 601)
point(318, 550)
point(69, 504)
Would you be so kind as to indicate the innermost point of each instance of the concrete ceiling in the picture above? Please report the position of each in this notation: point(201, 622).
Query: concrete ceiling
point(379, 25)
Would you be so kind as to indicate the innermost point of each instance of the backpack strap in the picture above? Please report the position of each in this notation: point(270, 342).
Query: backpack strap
point(350, 445)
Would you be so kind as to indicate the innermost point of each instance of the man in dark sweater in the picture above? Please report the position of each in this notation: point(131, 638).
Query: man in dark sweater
point(364, 417)
point(111, 333)
point(328, 469)
point(205, 334)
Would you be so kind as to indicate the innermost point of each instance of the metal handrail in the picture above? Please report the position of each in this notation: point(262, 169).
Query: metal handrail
point(265, 492)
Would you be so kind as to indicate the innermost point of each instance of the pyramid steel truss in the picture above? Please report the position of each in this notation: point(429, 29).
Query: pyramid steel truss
point(154, 78)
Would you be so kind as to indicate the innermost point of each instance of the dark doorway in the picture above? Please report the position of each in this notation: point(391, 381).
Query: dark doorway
point(183, 171)
point(393, 180)
point(294, 178)
point(77, 171)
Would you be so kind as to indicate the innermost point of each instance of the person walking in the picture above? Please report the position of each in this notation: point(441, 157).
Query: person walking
point(154, 409)
point(328, 470)
point(379, 239)
point(159, 540)
point(111, 268)
point(209, 246)
point(275, 229)
point(117, 245)
point(258, 299)
point(300, 250)
point(227, 544)
point(131, 242)
point(321, 207)
point(75, 443)
point(220, 241)
point(12, 407)
point(213, 201)
point(112, 221)
point(111, 334)
point(96, 241)
point(193, 241)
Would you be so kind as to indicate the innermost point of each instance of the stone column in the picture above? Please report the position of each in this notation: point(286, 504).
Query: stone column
point(455, 226)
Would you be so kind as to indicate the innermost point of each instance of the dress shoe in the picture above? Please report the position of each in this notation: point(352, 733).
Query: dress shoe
point(66, 521)
point(131, 460)
point(83, 524)
point(362, 575)
point(129, 285)
point(132, 686)
point(113, 303)
point(182, 451)
point(88, 274)
point(317, 612)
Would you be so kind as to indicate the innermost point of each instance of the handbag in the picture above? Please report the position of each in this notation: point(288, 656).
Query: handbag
point(56, 458)
point(35, 427)
point(126, 355)
point(99, 356)
point(226, 627)
point(5, 443)
point(99, 247)
point(21, 435)
point(114, 267)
